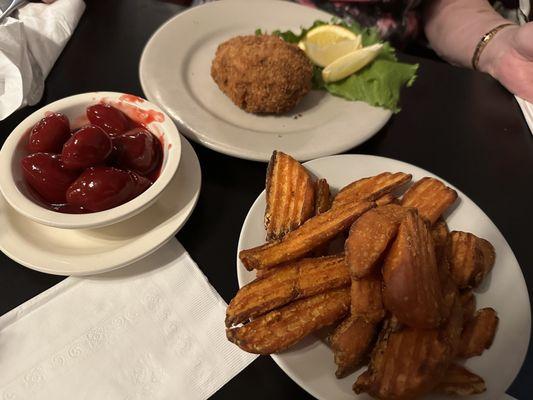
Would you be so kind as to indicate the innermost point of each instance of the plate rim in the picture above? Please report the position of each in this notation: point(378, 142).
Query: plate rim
point(278, 358)
point(219, 145)
point(196, 187)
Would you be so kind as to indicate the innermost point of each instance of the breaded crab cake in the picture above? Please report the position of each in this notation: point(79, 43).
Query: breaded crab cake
point(262, 74)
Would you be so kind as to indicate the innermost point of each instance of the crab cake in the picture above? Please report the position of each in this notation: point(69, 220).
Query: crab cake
point(262, 74)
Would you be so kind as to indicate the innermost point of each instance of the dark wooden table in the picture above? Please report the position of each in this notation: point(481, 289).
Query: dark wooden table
point(459, 124)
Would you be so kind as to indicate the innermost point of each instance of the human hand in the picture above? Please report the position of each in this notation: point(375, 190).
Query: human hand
point(509, 59)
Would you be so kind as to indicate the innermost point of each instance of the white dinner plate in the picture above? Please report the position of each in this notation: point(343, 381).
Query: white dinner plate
point(310, 364)
point(93, 251)
point(175, 74)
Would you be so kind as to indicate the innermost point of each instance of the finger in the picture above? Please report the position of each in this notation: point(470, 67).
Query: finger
point(524, 41)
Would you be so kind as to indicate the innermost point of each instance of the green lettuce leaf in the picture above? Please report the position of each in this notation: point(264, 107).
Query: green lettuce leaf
point(378, 84)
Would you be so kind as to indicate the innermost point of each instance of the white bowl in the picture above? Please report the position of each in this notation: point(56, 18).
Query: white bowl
point(16, 191)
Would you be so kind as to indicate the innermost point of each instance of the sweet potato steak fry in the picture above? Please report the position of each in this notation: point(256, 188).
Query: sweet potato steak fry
point(293, 281)
point(281, 328)
point(309, 236)
point(471, 258)
point(371, 188)
point(412, 287)
point(430, 197)
point(290, 195)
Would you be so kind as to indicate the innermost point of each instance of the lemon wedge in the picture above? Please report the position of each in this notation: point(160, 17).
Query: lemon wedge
point(327, 43)
point(350, 63)
point(329, 34)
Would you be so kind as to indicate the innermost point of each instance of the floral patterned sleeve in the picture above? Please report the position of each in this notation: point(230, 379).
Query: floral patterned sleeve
point(399, 21)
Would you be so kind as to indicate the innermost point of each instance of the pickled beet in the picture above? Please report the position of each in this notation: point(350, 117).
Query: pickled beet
point(112, 121)
point(47, 175)
point(49, 134)
point(101, 165)
point(88, 147)
point(102, 188)
point(138, 150)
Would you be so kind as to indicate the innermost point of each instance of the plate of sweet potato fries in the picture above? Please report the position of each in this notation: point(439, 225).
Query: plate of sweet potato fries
point(366, 277)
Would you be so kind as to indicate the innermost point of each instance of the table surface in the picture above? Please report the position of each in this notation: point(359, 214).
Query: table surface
point(456, 123)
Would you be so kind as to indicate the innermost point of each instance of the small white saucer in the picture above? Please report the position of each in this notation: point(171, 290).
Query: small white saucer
point(93, 251)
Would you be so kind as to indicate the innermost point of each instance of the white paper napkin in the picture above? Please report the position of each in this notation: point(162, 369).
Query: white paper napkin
point(527, 109)
point(29, 47)
point(153, 330)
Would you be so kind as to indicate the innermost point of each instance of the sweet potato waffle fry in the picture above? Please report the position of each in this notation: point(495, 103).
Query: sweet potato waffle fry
point(440, 234)
point(351, 342)
point(290, 195)
point(352, 339)
point(290, 282)
point(468, 301)
point(398, 371)
point(371, 188)
point(370, 236)
point(322, 204)
point(399, 298)
point(471, 258)
point(313, 233)
point(430, 197)
point(281, 328)
point(323, 197)
point(408, 362)
point(460, 382)
point(478, 333)
point(367, 302)
point(412, 288)
point(387, 198)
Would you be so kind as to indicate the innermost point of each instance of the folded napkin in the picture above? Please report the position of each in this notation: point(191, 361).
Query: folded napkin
point(29, 47)
point(527, 109)
point(153, 330)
